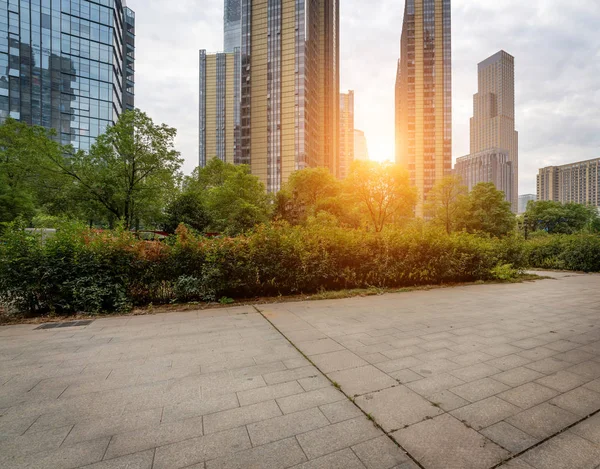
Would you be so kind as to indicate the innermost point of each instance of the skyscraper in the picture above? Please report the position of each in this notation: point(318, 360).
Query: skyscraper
point(524, 201)
point(346, 155)
point(424, 94)
point(232, 22)
point(487, 166)
point(575, 182)
point(361, 150)
point(67, 65)
point(493, 122)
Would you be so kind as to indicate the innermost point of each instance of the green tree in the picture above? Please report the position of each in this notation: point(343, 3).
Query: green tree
point(487, 211)
point(188, 207)
point(129, 173)
point(557, 218)
point(382, 191)
point(446, 201)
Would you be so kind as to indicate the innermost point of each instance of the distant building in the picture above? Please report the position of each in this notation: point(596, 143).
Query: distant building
point(576, 182)
point(524, 200)
point(493, 122)
point(487, 166)
point(361, 150)
point(346, 152)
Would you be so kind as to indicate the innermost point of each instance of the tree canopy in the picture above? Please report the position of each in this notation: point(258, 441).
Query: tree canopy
point(557, 218)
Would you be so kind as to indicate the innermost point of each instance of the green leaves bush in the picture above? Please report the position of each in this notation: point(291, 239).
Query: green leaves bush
point(565, 252)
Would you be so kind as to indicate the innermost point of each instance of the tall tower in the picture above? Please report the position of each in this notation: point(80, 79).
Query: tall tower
point(424, 94)
point(232, 22)
point(290, 87)
point(493, 122)
point(346, 150)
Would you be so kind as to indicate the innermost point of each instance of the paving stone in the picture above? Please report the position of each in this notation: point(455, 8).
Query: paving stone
point(474, 372)
point(565, 451)
point(509, 437)
point(334, 437)
point(380, 453)
point(542, 420)
point(316, 347)
point(36, 442)
point(501, 350)
point(403, 352)
point(290, 375)
point(471, 358)
point(195, 450)
point(309, 399)
point(589, 429)
point(562, 381)
point(267, 393)
point(335, 361)
point(340, 411)
point(405, 376)
point(484, 413)
point(447, 400)
point(285, 426)
point(516, 464)
point(198, 407)
point(562, 345)
point(508, 362)
point(240, 416)
point(313, 382)
point(357, 381)
point(593, 385)
point(528, 395)
point(537, 353)
point(580, 401)
point(395, 408)
point(293, 363)
point(434, 384)
point(589, 369)
point(344, 459)
point(398, 364)
point(477, 390)
point(444, 442)
point(141, 460)
point(548, 365)
point(518, 376)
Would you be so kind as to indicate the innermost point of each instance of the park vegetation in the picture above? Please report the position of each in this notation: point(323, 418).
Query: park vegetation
point(228, 238)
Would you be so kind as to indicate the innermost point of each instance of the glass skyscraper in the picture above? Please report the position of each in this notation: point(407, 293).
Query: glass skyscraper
point(232, 21)
point(67, 65)
point(424, 94)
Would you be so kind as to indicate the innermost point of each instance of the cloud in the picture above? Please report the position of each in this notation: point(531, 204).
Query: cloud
point(555, 43)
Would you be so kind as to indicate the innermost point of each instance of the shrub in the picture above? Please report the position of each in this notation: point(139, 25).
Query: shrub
point(568, 252)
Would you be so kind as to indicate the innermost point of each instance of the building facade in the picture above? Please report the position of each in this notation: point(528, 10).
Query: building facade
point(232, 25)
point(487, 166)
point(524, 201)
point(346, 149)
point(219, 107)
point(67, 65)
point(361, 149)
point(576, 182)
point(493, 121)
point(424, 94)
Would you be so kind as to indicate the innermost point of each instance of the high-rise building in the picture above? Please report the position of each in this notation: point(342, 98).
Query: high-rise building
point(486, 166)
point(524, 201)
point(232, 22)
point(575, 182)
point(219, 107)
point(361, 149)
point(67, 65)
point(346, 155)
point(493, 121)
point(424, 94)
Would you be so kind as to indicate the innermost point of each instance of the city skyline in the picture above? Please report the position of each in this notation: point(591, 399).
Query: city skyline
point(554, 82)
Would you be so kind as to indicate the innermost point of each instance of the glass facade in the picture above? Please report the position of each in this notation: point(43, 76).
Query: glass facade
point(67, 65)
point(233, 24)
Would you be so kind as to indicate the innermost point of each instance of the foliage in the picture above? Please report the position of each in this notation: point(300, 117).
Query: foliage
point(557, 218)
point(188, 208)
point(567, 252)
point(445, 202)
point(487, 211)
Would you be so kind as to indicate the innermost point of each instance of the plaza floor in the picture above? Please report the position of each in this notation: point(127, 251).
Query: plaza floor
point(473, 377)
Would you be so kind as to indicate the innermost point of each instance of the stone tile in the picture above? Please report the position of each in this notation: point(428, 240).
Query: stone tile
point(290, 375)
point(593, 385)
point(405, 376)
point(403, 352)
point(398, 364)
point(562, 345)
point(344, 459)
point(444, 442)
point(580, 401)
point(380, 453)
point(477, 390)
point(508, 362)
point(395, 408)
point(316, 347)
point(529, 343)
point(543, 420)
point(447, 400)
point(267, 393)
point(484, 413)
point(516, 464)
point(537, 353)
point(528, 395)
point(335, 361)
point(357, 381)
point(141, 460)
point(518, 376)
point(309, 399)
point(195, 450)
point(562, 381)
point(198, 407)
point(435, 384)
point(441, 354)
point(575, 356)
point(548, 365)
point(286, 426)
point(589, 369)
point(311, 383)
point(340, 411)
point(374, 358)
point(34, 442)
point(509, 437)
point(502, 350)
point(565, 451)
point(240, 416)
point(338, 436)
point(589, 429)
point(435, 367)
point(474, 372)
point(471, 358)
point(293, 363)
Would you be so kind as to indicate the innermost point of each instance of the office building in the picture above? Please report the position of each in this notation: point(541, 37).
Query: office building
point(346, 150)
point(487, 166)
point(576, 182)
point(232, 22)
point(493, 121)
point(424, 95)
point(67, 65)
point(219, 107)
point(524, 201)
point(361, 149)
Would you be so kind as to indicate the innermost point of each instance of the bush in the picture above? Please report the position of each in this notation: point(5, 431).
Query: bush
point(566, 252)
point(81, 270)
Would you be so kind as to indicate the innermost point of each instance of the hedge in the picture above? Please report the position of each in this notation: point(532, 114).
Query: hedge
point(564, 252)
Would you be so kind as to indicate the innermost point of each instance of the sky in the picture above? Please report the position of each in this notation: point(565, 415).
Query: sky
point(556, 44)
